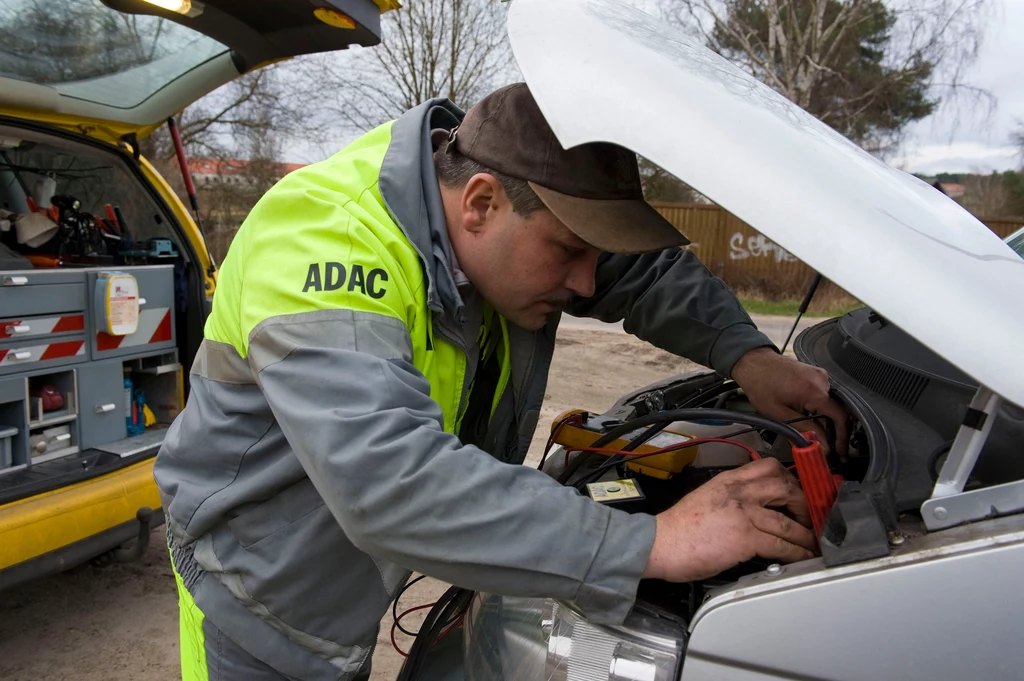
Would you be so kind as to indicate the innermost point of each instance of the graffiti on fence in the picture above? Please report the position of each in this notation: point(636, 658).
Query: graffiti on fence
point(742, 247)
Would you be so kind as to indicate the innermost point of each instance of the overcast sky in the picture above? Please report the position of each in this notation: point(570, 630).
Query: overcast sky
point(937, 143)
point(979, 145)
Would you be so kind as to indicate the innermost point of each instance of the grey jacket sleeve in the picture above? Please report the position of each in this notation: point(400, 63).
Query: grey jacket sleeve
point(361, 420)
point(671, 300)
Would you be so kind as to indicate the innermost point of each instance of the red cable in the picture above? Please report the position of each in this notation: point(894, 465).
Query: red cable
point(398, 619)
point(575, 419)
point(455, 625)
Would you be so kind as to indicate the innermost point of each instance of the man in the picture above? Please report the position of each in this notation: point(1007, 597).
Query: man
point(375, 362)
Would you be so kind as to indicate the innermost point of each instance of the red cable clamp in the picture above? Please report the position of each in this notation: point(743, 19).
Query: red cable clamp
point(820, 486)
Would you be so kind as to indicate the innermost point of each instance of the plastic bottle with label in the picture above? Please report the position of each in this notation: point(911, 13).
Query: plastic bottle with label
point(716, 454)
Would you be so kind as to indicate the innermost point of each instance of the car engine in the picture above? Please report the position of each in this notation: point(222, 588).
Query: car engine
point(905, 405)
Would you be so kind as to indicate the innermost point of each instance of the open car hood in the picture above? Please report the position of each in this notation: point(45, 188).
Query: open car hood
point(132, 64)
point(602, 71)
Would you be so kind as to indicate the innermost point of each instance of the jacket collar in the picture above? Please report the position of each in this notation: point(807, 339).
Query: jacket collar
point(408, 185)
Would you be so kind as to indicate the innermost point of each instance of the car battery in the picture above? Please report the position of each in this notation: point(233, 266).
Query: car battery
point(662, 466)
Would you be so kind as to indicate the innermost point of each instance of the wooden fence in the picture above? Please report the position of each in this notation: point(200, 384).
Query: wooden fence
point(746, 259)
point(729, 247)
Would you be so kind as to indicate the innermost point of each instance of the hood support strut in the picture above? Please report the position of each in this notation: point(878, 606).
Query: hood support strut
point(949, 505)
point(190, 188)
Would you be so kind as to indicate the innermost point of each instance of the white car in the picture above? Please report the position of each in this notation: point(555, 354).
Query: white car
point(923, 546)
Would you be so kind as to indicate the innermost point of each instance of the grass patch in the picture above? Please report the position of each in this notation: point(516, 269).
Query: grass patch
point(789, 308)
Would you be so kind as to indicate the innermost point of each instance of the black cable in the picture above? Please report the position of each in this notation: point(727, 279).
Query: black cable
point(722, 399)
point(637, 441)
point(556, 429)
point(394, 606)
point(789, 422)
point(452, 601)
point(457, 612)
point(411, 668)
point(587, 477)
point(672, 415)
point(702, 397)
point(830, 429)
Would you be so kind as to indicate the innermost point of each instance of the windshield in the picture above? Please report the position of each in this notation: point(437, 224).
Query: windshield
point(1016, 242)
point(86, 50)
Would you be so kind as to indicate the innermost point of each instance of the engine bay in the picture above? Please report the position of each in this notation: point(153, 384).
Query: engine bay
point(905, 406)
point(651, 480)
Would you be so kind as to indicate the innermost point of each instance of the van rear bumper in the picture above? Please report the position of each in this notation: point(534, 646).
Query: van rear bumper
point(56, 530)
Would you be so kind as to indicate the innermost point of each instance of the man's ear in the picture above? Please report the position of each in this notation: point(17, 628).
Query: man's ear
point(482, 197)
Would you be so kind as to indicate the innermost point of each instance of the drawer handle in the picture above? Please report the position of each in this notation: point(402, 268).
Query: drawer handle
point(21, 354)
point(62, 437)
point(142, 301)
point(20, 328)
point(15, 281)
point(104, 408)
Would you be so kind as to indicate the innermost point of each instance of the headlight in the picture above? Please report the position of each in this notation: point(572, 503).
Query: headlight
point(522, 639)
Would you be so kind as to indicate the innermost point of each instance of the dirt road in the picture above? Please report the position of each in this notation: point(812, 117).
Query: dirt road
point(121, 621)
point(777, 328)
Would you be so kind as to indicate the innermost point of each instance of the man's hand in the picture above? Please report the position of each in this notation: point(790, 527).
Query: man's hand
point(730, 519)
point(783, 388)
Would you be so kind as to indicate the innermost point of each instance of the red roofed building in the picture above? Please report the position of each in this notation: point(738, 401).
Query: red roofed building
point(228, 189)
point(952, 190)
point(235, 171)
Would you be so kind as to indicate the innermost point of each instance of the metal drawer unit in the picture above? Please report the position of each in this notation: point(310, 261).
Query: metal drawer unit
point(33, 355)
point(156, 314)
point(43, 326)
point(42, 320)
point(40, 292)
point(52, 333)
point(101, 399)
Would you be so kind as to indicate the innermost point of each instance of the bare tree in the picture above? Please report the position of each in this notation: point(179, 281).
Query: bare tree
point(1017, 138)
point(660, 185)
point(985, 195)
point(866, 67)
point(238, 131)
point(213, 125)
point(430, 48)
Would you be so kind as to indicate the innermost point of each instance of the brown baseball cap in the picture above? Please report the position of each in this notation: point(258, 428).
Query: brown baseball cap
point(593, 188)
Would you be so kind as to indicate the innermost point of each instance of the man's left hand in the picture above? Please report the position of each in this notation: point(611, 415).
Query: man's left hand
point(782, 388)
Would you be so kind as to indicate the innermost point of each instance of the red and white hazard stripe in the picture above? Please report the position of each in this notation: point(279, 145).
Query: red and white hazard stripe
point(41, 326)
point(40, 353)
point(154, 327)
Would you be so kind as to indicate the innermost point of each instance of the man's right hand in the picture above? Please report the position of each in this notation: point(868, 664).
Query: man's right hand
point(731, 519)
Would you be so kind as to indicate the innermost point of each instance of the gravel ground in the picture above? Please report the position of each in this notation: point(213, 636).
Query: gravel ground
point(121, 621)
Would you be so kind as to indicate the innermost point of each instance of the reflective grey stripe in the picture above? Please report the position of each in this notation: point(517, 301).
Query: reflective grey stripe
point(221, 362)
point(374, 334)
point(348, 659)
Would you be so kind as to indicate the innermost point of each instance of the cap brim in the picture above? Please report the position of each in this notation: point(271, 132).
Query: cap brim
point(612, 225)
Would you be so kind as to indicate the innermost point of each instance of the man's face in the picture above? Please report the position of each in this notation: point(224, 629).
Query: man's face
point(526, 267)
